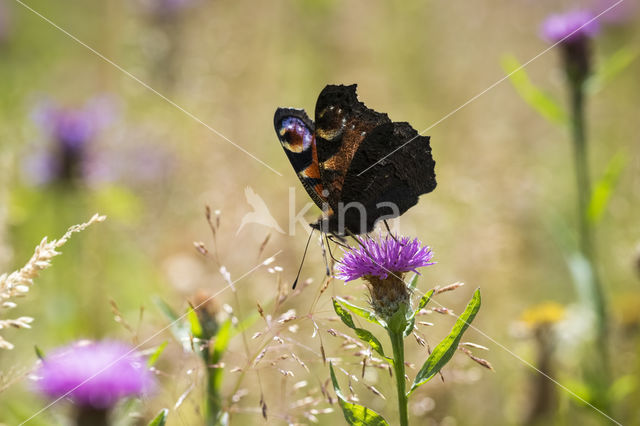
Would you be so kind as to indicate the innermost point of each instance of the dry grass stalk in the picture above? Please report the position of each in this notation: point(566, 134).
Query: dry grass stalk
point(18, 283)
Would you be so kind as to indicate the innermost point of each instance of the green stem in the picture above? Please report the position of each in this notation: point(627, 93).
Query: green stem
point(397, 342)
point(213, 403)
point(586, 237)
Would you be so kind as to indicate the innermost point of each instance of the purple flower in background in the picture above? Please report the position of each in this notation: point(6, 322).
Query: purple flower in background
point(67, 154)
point(74, 127)
point(94, 374)
point(573, 30)
point(383, 256)
point(570, 27)
point(614, 12)
point(166, 8)
point(5, 22)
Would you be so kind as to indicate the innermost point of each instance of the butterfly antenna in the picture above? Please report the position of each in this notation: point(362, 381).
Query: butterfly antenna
point(295, 283)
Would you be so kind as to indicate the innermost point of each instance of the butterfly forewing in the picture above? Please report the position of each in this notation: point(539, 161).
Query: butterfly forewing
point(296, 134)
point(353, 155)
point(342, 123)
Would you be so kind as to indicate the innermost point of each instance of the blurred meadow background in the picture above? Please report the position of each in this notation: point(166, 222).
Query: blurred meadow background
point(154, 77)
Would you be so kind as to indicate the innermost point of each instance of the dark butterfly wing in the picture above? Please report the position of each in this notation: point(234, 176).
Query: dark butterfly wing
point(390, 187)
point(296, 134)
point(342, 123)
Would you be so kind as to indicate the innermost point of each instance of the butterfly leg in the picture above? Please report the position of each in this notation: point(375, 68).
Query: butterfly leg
point(342, 243)
point(324, 255)
point(357, 240)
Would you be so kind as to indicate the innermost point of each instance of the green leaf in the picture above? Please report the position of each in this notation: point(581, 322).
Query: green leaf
point(423, 302)
point(219, 347)
point(623, 387)
point(361, 312)
point(194, 323)
point(611, 67)
point(412, 318)
point(356, 415)
point(414, 282)
point(156, 354)
point(161, 418)
point(180, 330)
point(604, 188)
point(446, 348)
point(583, 275)
point(39, 352)
point(544, 104)
point(221, 341)
point(362, 334)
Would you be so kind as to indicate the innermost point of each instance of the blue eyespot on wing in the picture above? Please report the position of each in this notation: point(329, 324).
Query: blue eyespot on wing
point(296, 135)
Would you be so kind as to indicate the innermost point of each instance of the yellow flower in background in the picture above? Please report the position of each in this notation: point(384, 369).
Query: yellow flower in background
point(627, 309)
point(546, 313)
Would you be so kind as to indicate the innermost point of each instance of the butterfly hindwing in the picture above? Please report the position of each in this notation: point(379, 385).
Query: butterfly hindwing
point(342, 123)
point(392, 167)
point(296, 134)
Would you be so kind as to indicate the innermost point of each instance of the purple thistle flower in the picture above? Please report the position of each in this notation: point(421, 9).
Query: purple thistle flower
point(75, 127)
point(94, 374)
point(167, 8)
point(5, 22)
point(381, 257)
point(570, 27)
point(67, 155)
point(383, 263)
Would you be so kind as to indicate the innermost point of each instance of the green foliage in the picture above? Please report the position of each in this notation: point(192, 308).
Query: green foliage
point(411, 320)
point(447, 347)
point(610, 67)
point(161, 418)
point(543, 103)
point(194, 323)
point(362, 334)
point(39, 352)
point(180, 330)
point(219, 347)
point(356, 415)
point(604, 187)
point(118, 202)
point(156, 354)
point(361, 312)
point(413, 282)
point(401, 320)
point(423, 302)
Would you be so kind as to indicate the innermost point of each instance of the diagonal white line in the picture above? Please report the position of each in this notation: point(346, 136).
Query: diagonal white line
point(491, 87)
point(133, 77)
point(527, 363)
point(230, 285)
